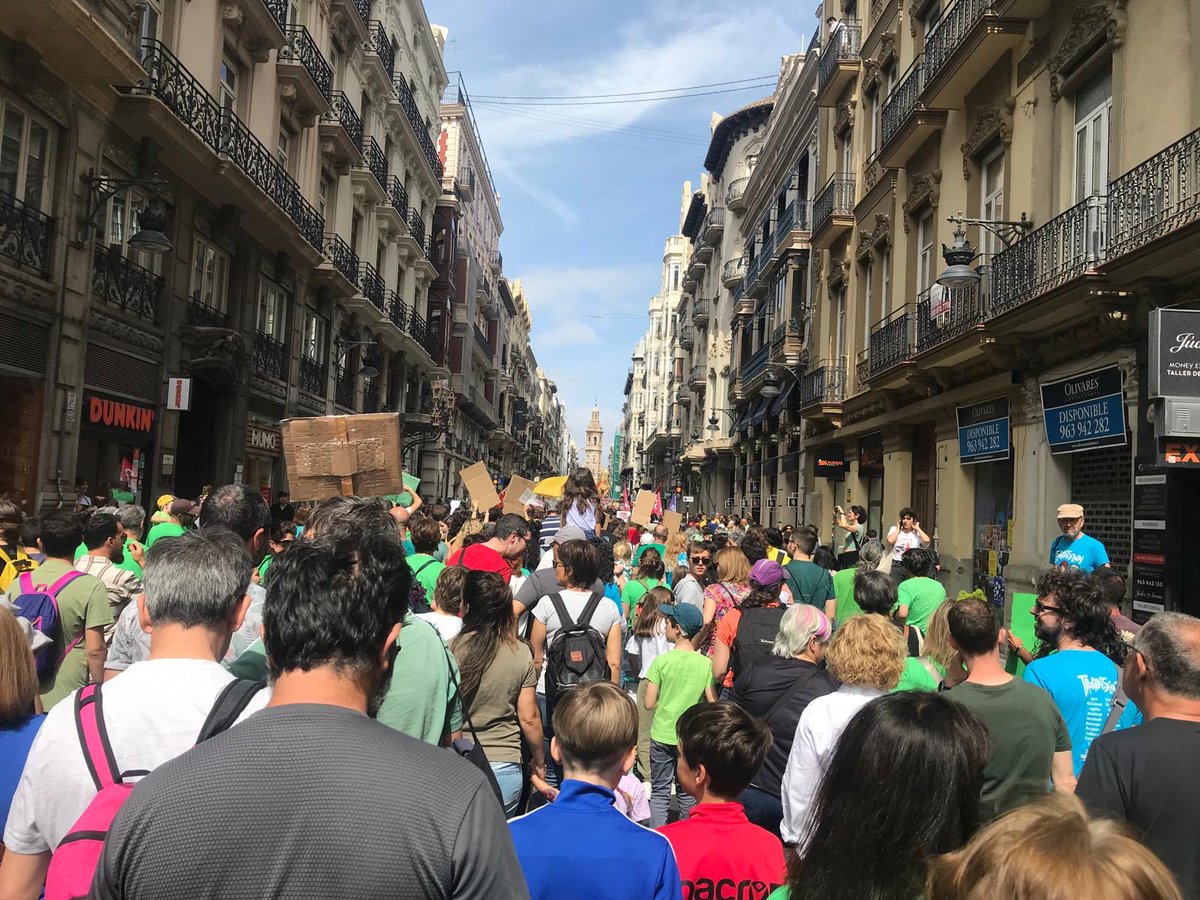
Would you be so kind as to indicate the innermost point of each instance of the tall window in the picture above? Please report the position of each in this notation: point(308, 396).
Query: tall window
point(24, 156)
point(847, 153)
point(121, 222)
point(228, 88)
point(839, 325)
point(271, 316)
point(877, 118)
point(885, 281)
point(316, 336)
point(150, 23)
point(1093, 105)
point(869, 304)
point(284, 148)
point(323, 196)
point(210, 274)
point(925, 238)
point(991, 201)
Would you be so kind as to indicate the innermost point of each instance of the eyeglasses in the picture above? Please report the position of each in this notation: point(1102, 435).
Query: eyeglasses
point(697, 560)
point(1040, 608)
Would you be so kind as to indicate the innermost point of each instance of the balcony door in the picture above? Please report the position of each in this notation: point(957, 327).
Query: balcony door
point(1093, 107)
point(991, 199)
point(926, 233)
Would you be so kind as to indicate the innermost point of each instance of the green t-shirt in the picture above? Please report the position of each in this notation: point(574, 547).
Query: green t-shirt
point(426, 570)
point(922, 596)
point(82, 604)
point(1026, 730)
point(681, 676)
point(917, 677)
point(162, 530)
point(262, 568)
point(843, 589)
point(128, 564)
point(422, 700)
point(809, 583)
point(122, 496)
point(662, 552)
point(633, 591)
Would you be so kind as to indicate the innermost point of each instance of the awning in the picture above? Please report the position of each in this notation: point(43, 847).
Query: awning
point(743, 421)
point(759, 413)
point(781, 401)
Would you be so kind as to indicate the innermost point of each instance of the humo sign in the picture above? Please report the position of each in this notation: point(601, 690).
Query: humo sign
point(1085, 411)
point(264, 440)
point(121, 414)
point(1174, 363)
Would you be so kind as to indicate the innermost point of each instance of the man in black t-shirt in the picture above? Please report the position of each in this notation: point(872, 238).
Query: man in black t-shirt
point(1147, 776)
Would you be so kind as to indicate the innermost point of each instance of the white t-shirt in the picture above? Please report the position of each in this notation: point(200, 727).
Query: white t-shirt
point(648, 649)
point(153, 712)
point(448, 626)
point(607, 615)
point(905, 540)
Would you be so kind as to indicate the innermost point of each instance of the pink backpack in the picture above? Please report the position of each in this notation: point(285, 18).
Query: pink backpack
point(74, 862)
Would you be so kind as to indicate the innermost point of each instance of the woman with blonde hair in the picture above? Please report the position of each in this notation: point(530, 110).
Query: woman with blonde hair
point(676, 554)
point(622, 562)
point(19, 722)
point(731, 588)
point(867, 656)
point(927, 671)
point(1051, 850)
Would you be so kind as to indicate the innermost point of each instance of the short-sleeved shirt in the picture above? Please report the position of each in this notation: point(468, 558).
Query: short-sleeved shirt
point(633, 592)
point(16, 738)
point(1085, 553)
point(856, 536)
point(494, 705)
point(1025, 730)
point(905, 540)
point(129, 643)
point(603, 619)
point(161, 530)
point(1082, 684)
point(426, 570)
point(809, 582)
point(919, 675)
point(82, 604)
point(922, 596)
point(642, 548)
point(482, 558)
point(682, 677)
point(122, 586)
point(128, 564)
point(422, 699)
point(843, 589)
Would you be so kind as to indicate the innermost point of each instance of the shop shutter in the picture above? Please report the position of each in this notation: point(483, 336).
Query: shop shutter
point(24, 344)
point(1101, 480)
point(111, 370)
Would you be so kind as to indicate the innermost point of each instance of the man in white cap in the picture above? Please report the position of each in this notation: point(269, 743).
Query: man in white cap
point(1073, 549)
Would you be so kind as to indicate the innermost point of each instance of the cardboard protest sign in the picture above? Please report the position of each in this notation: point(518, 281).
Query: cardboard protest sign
point(672, 520)
point(331, 455)
point(514, 494)
point(643, 506)
point(478, 483)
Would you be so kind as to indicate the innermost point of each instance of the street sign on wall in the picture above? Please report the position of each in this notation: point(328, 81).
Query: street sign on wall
point(983, 431)
point(1174, 357)
point(1085, 411)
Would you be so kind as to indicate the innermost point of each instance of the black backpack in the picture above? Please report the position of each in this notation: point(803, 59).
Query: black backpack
point(578, 654)
point(755, 636)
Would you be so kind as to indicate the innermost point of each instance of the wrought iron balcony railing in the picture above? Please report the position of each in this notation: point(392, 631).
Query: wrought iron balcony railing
point(343, 387)
point(733, 270)
point(225, 134)
point(793, 327)
point(381, 45)
point(702, 310)
point(374, 160)
point(268, 356)
point(344, 113)
point(25, 234)
point(949, 33)
point(699, 375)
point(312, 376)
point(201, 314)
point(1155, 197)
point(301, 48)
point(687, 337)
point(430, 251)
point(485, 346)
point(736, 189)
point(1064, 248)
point(835, 199)
point(944, 313)
point(862, 370)
point(417, 225)
point(278, 10)
point(371, 284)
point(125, 285)
point(903, 100)
point(756, 362)
point(398, 196)
point(338, 252)
point(891, 341)
point(420, 130)
point(825, 383)
point(363, 8)
point(843, 45)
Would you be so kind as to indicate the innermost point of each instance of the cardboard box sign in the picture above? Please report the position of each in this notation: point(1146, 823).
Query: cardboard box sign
point(514, 495)
point(643, 507)
point(331, 455)
point(479, 486)
point(672, 520)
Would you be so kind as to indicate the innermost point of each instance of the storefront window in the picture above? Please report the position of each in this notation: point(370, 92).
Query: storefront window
point(993, 520)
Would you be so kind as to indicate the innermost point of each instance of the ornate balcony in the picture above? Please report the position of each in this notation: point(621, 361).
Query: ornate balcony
point(355, 15)
point(312, 376)
point(833, 210)
point(907, 122)
point(258, 25)
point(201, 314)
point(25, 235)
point(378, 51)
point(343, 388)
point(713, 227)
point(375, 162)
point(370, 284)
point(733, 271)
point(417, 226)
point(687, 337)
point(341, 259)
point(839, 62)
point(497, 263)
point(696, 267)
point(393, 214)
point(823, 388)
point(412, 114)
point(736, 192)
point(967, 41)
point(1156, 197)
point(341, 133)
point(484, 345)
point(305, 78)
point(225, 135)
point(755, 365)
point(787, 342)
point(702, 312)
point(268, 356)
point(891, 342)
point(698, 377)
point(945, 313)
point(125, 285)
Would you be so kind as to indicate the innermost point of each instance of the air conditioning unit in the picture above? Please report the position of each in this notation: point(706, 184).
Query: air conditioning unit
point(1177, 417)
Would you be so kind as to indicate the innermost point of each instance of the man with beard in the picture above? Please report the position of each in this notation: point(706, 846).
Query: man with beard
point(1078, 647)
point(104, 540)
point(311, 797)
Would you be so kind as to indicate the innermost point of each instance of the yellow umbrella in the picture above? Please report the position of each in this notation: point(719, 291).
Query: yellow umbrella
point(550, 487)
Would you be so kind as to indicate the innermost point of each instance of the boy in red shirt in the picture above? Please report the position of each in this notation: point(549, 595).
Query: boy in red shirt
point(719, 851)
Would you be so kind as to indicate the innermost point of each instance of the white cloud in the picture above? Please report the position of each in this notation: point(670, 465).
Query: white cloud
point(619, 287)
point(570, 333)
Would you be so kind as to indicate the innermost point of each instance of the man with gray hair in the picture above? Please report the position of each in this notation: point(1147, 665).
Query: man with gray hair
point(195, 598)
point(1146, 776)
point(133, 517)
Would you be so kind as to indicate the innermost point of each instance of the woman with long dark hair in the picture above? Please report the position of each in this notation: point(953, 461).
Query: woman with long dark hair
point(581, 502)
point(498, 683)
point(901, 787)
point(766, 576)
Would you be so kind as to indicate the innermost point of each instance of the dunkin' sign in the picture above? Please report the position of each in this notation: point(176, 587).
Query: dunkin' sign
point(120, 414)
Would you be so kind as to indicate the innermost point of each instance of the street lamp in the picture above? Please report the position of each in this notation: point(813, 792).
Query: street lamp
point(770, 387)
point(714, 421)
point(149, 237)
point(961, 254)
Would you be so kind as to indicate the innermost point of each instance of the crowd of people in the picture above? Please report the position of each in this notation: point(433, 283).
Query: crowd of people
point(377, 697)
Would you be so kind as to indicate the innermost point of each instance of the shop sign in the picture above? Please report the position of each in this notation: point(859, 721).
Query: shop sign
point(793, 501)
point(1174, 452)
point(753, 489)
point(1149, 544)
point(263, 440)
point(179, 393)
point(1174, 364)
point(830, 462)
point(1085, 411)
point(770, 502)
point(983, 431)
point(121, 415)
point(870, 455)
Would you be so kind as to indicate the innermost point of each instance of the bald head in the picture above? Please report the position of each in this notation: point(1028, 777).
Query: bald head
point(661, 533)
point(1170, 645)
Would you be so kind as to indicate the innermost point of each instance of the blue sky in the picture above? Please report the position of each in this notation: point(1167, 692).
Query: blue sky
point(589, 193)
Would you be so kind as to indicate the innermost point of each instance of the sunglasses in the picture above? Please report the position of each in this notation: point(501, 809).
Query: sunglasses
point(1043, 608)
point(701, 559)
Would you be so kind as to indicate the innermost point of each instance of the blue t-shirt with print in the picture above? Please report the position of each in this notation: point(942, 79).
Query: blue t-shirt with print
point(1082, 683)
point(1085, 553)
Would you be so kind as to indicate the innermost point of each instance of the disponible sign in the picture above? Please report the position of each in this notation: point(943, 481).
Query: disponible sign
point(1174, 365)
point(1085, 411)
point(983, 432)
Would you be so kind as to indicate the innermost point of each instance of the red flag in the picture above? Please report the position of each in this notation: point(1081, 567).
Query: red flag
point(658, 507)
